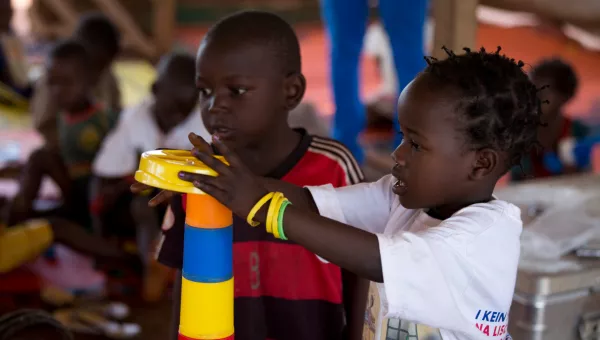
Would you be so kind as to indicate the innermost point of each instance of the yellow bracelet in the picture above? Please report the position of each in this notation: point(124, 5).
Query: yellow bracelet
point(274, 226)
point(256, 208)
point(276, 197)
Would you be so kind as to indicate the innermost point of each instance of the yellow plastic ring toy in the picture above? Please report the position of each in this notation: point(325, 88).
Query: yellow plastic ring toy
point(160, 169)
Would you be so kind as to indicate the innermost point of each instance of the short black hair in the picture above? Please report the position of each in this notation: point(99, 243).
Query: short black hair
point(73, 50)
point(13, 323)
point(97, 29)
point(499, 107)
point(180, 67)
point(264, 28)
point(560, 73)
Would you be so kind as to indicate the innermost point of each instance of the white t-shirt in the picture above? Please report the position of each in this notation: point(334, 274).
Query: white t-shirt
point(137, 132)
point(456, 275)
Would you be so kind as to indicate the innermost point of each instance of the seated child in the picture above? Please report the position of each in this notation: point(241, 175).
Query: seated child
point(101, 38)
point(82, 125)
point(559, 83)
point(162, 120)
point(248, 71)
point(444, 250)
point(27, 324)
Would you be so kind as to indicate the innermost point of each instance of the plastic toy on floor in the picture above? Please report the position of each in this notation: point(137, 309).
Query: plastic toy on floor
point(23, 243)
point(207, 275)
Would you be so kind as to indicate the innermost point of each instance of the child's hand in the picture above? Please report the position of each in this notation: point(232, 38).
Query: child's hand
point(235, 187)
point(161, 197)
point(165, 195)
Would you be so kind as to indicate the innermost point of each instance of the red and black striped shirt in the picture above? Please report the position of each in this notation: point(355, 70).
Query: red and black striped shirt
point(282, 291)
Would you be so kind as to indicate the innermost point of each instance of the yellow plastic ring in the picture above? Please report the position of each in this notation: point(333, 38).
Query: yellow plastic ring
point(160, 169)
point(271, 211)
point(256, 208)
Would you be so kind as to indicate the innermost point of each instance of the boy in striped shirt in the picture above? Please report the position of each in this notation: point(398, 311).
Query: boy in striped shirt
point(249, 75)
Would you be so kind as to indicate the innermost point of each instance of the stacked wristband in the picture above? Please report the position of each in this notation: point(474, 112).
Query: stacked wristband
point(274, 221)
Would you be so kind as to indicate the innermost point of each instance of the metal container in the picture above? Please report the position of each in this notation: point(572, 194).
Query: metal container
point(557, 306)
point(551, 306)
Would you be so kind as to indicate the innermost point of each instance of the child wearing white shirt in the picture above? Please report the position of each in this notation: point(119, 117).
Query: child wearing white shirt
point(162, 120)
point(443, 250)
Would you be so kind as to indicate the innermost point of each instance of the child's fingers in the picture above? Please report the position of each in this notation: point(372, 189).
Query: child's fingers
point(229, 155)
point(211, 162)
point(199, 178)
point(138, 187)
point(199, 143)
point(214, 191)
point(161, 197)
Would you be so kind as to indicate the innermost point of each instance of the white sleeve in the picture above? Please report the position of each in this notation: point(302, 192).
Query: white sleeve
point(366, 205)
point(448, 277)
point(117, 156)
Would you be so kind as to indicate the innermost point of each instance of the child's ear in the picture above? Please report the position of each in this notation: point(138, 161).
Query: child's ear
point(294, 87)
point(486, 162)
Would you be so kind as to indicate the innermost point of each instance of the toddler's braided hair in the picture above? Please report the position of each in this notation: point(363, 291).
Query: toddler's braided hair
point(13, 323)
point(499, 106)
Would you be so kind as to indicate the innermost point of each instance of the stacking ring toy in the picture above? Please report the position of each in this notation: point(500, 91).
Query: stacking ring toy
point(207, 275)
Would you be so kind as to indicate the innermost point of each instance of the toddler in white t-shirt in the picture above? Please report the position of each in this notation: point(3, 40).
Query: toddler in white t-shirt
point(443, 249)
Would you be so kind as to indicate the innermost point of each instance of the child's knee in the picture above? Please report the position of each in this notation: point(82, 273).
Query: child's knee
point(42, 157)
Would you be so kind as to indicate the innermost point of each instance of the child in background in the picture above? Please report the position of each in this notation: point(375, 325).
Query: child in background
point(101, 38)
point(82, 125)
point(427, 231)
point(248, 71)
point(558, 82)
point(28, 324)
point(162, 120)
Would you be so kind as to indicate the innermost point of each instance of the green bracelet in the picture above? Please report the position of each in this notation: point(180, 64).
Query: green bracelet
point(280, 219)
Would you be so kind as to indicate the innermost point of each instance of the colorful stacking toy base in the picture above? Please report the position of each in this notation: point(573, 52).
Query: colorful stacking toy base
point(207, 275)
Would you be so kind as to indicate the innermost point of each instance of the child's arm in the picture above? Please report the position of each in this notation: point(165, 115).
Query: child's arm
point(351, 248)
point(366, 206)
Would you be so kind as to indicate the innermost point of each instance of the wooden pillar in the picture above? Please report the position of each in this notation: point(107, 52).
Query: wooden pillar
point(65, 12)
point(132, 33)
point(455, 25)
point(67, 18)
point(164, 24)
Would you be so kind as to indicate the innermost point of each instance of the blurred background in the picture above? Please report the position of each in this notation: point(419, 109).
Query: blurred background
point(65, 281)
